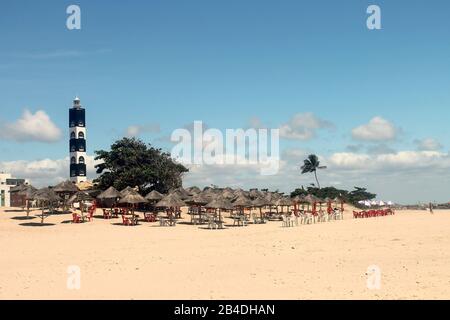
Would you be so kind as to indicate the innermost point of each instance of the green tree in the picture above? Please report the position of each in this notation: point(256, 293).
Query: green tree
point(312, 164)
point(360, 194)
point(130, 162)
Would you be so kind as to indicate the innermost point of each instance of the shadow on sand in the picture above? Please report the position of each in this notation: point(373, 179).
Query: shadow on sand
point(23, 218)
point(36, 224)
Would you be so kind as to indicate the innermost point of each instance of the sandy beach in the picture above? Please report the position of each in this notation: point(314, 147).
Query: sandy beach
point(320, 261)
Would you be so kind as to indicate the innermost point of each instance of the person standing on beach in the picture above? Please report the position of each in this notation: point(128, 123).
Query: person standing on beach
point(431, 208)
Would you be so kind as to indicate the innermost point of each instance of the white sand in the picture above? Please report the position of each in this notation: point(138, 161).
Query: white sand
point(321, 261)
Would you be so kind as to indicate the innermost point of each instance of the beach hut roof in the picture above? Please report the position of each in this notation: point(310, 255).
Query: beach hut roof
point(28, 191)
point(132, 198)
point(80, 196)
point(46, 194)
point(259, 202)
point(127, 190)
point(228, 194)
point(242, 201)
point(18, 188)
point(110, 193)
point(198, 199)
point(283, 202)
point(310, 198)
point(255, 193)
point(154, 195)
point(298, 199)
point(66, 186)
point(220, 203)
point(180, 193)
point(271, 198)
point(171, 200)
point(193, 190)
point(85, 185)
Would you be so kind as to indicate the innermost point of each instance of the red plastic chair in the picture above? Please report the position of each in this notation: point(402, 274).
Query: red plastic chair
point(126, 221)
point(76, 218)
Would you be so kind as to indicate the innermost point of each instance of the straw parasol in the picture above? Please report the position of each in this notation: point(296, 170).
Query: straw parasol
point(132, 198)
point(228, 194)
point(46, 195)
point(242, 201)
point(311, 199)
point(27, 191)
point(283, 202)
point(198, 199)
point(260, 203)
point(255, 193)
point(154, 196)
point(126, 191)
point(193, 190)
point(66, 187)
point(110, 193)
point(271, 198)
point(170, 201)
point(180, 193)
point(80, 197)
point(298, 199)
point(221, 204)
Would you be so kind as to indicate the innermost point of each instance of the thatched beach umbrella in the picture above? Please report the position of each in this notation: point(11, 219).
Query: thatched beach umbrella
point(132, 198)
point(171, 201)
point(259, 203)
point(255, 193)
point(154, 196)
point(242, 202)
point(220, 204)
point(46, 196)
point(180, 193)
point(283, 202)
point(110, 193)
point(193, 190)
point(198, 199)
point(313, 200)
point(126, 191)
point(65, 187)
point(27, 192)
point(80, 196)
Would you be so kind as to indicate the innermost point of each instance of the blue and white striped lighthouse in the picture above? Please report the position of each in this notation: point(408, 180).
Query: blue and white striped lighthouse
point(77, 144)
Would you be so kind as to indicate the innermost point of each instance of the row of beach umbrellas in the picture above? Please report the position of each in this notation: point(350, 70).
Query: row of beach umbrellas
point(214, 198)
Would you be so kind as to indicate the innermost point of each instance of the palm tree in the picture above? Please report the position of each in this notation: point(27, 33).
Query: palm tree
point(312, 164)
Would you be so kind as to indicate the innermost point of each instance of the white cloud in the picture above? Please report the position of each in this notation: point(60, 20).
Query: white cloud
point(303, 126)
point(45, 172)
point(137, 130)
point(428, 144)
point(31, 127)
point(378, 129)
point(399, 161)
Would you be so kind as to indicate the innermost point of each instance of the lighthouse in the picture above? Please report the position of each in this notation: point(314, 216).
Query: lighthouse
point(77, 144)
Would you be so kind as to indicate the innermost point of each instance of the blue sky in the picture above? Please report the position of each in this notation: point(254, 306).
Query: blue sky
point(227, 62)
